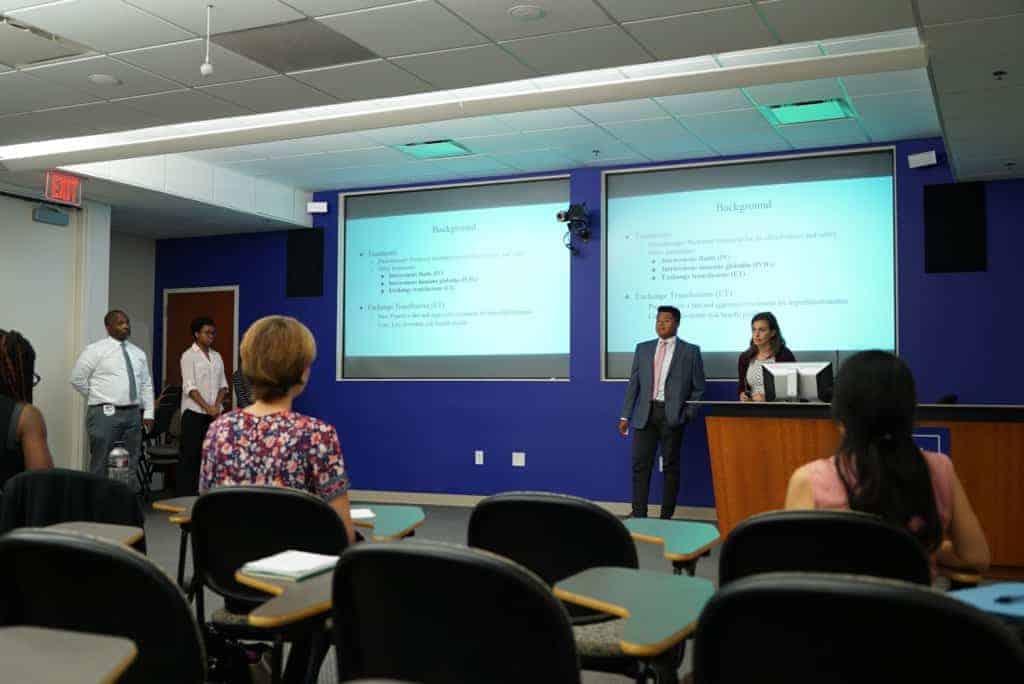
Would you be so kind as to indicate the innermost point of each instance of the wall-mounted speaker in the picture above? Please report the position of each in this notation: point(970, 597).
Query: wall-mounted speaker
point(955, 228)
point(305, 277)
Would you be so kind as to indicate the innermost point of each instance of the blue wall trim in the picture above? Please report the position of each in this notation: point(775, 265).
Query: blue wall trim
point(420, 436)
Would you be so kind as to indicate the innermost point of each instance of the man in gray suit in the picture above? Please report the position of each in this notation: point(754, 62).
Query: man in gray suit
point(667, 373)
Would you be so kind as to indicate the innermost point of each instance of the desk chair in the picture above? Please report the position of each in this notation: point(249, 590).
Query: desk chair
point(234, 525)
point(74, 582)
point(819, 628)
point(440, 613)
point(557, 536)
point(160, 450)
point(822, 541)
point(38, 498)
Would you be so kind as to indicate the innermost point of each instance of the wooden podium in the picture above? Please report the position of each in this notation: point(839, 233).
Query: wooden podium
point(755, 447)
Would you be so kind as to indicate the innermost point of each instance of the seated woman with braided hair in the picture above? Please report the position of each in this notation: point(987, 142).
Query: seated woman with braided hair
point(22, 428)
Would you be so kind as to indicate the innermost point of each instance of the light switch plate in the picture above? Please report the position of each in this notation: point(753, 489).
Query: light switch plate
point(478, 457)
point(519, 459)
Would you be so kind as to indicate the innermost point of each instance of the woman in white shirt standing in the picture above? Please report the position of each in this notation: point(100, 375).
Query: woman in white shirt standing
point(203, 388)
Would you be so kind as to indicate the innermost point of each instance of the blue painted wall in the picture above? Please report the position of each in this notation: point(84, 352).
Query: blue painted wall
point(420, 436)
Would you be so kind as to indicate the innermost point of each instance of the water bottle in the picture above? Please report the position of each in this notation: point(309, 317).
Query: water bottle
point(118, 464)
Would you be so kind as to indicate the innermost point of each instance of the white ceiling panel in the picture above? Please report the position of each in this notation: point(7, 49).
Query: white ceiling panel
point(648, 130)
point(399, 135)
point(769, 55)
point(703, 33)
point(606, 46)
point(539, 140)
point(18, 128)
point(981, 38)
point(19, 47)
point(407, 28)
point(736, 132)
point(111, 24)
point(494, 20)
point(685, 147)
point(363, 81)
point(954, 72)
point(632, 10)
point(465, 67)
point(478, 165)
point(824, 134)
point(597, 152)
point(319, 8)
point(75, 74)
point(8, 5)
point(21, 92)
point(184, 105)
point(896, 116)
point(570, 79)
point(228, 15)
point(269, 94)
point(990, 168)
point(474, 126)
point(973, 113)
point(947, 11)
point(180, 61)
point(888, 82)
point(876, 41)
point(535, 160)
point(670, 66)
point(797, 21)
point(542, 119)
point(798, 91)
point(630, 110)
point(693, 104)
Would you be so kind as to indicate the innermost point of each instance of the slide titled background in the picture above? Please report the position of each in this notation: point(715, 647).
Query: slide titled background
point(467, 282)
point(811, 240)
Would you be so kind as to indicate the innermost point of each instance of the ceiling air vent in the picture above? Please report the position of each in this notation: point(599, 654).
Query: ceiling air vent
point(806, 112)
point(434, 149)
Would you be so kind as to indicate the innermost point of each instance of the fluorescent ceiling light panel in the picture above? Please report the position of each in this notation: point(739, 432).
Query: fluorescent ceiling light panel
point(807, 112)
point(434, 149)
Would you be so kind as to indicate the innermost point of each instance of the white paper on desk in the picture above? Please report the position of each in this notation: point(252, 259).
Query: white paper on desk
point(291, 564)
point(363, 513)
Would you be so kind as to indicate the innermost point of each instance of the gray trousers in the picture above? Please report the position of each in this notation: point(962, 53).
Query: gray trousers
point(104, 431)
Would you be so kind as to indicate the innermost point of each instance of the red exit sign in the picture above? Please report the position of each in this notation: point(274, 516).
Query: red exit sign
point(63, 188)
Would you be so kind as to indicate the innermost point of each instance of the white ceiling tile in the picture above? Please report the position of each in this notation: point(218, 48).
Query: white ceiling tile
point(363, 81)
point(606, 46)
point(407, 28)
point(898, 116)
point(630, 110)
point(494, 20)
point(647, 130)
point(321, 143)
point(319, 8)
point(542, 119)
point(670, 66)
point(399, 135)
point(4, 68)
point(705, 103)
point(769, 55)
point(989, 168)
point(46, 124)
point(184, 105)
point(21, 48)
point(946, 11)
point(703, 33)
point(8, 5)
point(888, 82)
point(539, 140)
point(996, 105)
point(535, 160)
point(980, 38)
point(269, 94)
point(181, 61)
point(105, 25)
point(621, 160)
point(597, 152)
point(737, 132)
point(955, 72)
point(877, 41)
point(477, 165)
point(797, 21)
point(632, 10)
point(228, 15)
point(686, 147)
point(503, 144)
point(75, 74)
point(465, 67)
point(797, 91)
point(21, 92)
point(473, 126)
point(824, 134)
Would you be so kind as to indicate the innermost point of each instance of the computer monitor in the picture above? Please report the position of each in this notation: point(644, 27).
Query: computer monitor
point(807, 381)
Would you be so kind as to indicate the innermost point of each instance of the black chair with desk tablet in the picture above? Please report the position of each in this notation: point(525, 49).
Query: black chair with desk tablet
point(822, 541)
point(817, 628)
point(557, 536)
point(73, 582)
point(232, 526)
point(160, 452)
point(441, 613)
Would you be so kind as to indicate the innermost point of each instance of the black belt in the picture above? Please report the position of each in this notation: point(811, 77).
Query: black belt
point(657, 403)
point(124, 407)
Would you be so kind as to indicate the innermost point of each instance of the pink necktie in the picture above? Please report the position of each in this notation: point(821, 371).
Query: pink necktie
point(659, 359)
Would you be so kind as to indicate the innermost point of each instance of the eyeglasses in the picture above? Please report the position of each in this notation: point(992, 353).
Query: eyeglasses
point(36, 379)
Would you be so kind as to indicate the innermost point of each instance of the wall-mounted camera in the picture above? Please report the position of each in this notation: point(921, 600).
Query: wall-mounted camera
point(578, 220)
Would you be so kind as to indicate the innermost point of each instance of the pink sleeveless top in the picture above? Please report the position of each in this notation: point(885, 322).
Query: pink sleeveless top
point(829, 492)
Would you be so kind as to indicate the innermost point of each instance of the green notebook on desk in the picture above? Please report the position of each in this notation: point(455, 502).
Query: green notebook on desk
point(290, 566)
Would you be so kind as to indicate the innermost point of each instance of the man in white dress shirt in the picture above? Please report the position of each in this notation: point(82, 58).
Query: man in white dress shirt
point(113, 375)
point(203, 388)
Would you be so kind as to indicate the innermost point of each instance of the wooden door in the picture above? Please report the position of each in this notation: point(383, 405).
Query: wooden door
point(180, 308)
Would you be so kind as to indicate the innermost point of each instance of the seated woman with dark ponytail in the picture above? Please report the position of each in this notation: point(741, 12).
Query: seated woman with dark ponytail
point(880, 470)
point(22, 428)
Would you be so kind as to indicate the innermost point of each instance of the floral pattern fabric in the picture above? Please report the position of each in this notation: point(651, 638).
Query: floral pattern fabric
point(284, 449)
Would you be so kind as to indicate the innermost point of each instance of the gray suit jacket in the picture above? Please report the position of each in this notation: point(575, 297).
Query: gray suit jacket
point(685, 382)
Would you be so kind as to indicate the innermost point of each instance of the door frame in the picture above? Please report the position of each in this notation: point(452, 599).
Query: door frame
point(183, 290)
